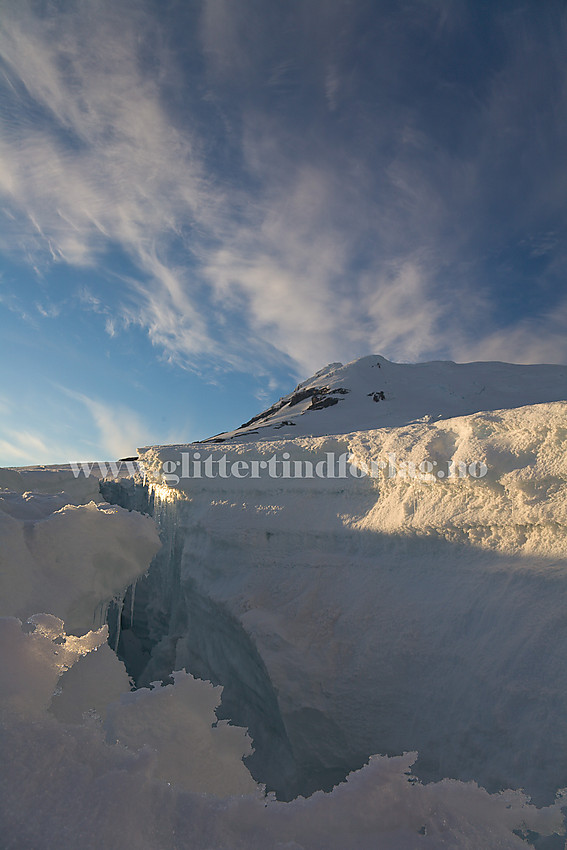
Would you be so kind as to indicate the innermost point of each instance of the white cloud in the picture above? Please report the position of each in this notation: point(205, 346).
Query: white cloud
point(48, 311)
point(124, 171)
point(241, 274)
point(92, 429)
point(120, 430)
point(538, 339)
point(25, 447)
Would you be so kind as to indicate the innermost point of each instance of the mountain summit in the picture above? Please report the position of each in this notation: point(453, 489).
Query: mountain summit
point(373, 392)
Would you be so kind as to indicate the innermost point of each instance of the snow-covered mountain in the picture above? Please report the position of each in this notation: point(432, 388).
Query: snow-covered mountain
point(373, 392)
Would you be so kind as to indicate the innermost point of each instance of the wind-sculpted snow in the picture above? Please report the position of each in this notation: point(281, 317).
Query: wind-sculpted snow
point(138, 778)
point(519, 505)
point(193, 749)
point(67, 788)
point(177, 723)
point(72, 561)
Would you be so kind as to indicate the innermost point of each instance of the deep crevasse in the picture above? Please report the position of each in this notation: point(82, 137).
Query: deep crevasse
point(348, 617)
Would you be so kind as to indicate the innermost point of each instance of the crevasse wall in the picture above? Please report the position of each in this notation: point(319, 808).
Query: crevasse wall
point(352, 616)
point(166, 624)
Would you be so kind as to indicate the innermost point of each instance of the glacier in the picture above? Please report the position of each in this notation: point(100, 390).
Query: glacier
point(393, 644)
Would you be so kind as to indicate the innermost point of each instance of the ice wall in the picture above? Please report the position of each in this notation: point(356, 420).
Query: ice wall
point(167, 624)
point(389, 613)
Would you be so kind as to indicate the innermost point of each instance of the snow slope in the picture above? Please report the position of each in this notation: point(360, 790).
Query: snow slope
point(373, 392)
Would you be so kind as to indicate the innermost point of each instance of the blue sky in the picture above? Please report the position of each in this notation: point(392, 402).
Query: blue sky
point(202, 202)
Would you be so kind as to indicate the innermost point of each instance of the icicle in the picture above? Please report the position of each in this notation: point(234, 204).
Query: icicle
point(119, 605)
point(132, 598)
point(100, 615)
point(97, 616)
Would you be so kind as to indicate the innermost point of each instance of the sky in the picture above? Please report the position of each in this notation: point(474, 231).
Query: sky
point(203, 202)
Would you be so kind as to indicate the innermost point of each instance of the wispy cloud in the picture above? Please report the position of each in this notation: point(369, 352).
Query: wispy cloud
point(48, 311)
point(33, 430)
point(309, 187)
point(537, 339)
point(27, 447)
point(120, 430)
point(100, 164)
point(17, 448)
